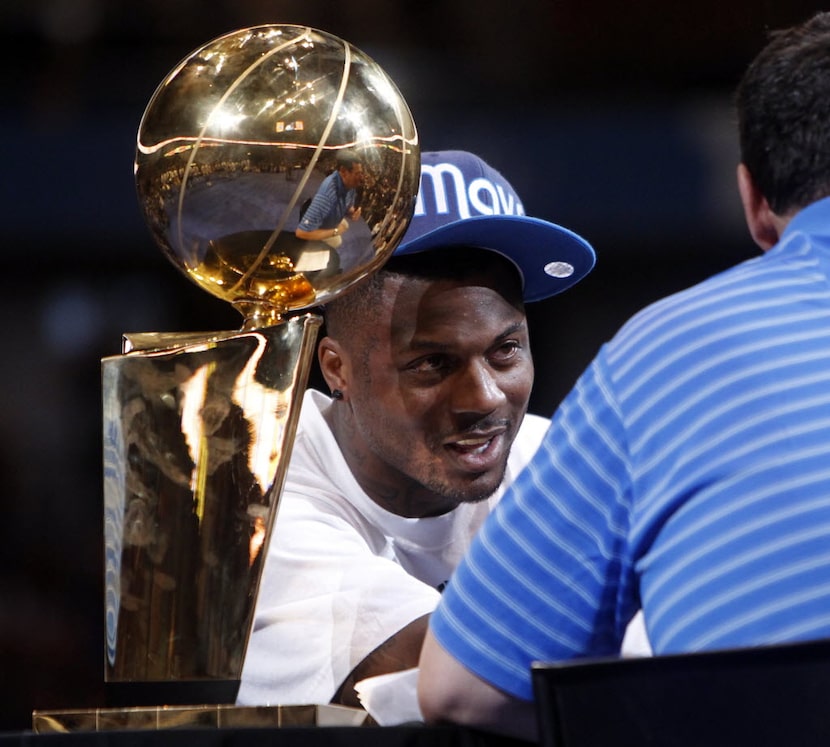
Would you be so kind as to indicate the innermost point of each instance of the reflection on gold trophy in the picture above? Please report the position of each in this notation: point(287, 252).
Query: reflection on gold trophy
point(198, 427)
point(276, 282)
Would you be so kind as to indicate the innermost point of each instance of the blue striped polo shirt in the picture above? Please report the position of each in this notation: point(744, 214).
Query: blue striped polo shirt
point(330, 204)
point(687, 473)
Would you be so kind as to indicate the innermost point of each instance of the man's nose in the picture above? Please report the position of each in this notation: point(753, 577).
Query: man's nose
point(477, 389)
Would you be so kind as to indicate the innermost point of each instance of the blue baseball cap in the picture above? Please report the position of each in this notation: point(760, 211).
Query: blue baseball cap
point(464, 202)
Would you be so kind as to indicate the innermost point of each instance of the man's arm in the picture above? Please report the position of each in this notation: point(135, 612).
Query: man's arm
point(396, 653)
point(448, 691)
point(321, 234)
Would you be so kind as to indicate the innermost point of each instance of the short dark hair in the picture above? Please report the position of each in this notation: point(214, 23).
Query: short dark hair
point(346, 159)
point(783, 107)
point(359, 305)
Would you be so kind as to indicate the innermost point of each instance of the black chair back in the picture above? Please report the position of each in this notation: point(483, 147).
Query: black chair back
point(770, 696)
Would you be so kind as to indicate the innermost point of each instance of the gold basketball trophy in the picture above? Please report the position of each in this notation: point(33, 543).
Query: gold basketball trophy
point(198, 427)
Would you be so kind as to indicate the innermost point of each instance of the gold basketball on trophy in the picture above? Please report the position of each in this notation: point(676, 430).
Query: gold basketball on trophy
point(237, 142)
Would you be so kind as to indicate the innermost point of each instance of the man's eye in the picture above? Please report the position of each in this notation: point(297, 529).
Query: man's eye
point(505, 352)
point(429, 364)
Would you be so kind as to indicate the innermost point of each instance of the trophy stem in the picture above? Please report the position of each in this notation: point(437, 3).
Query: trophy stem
point(257, 315)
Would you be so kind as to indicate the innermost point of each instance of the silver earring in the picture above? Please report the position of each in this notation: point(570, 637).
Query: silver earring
point(336, 394)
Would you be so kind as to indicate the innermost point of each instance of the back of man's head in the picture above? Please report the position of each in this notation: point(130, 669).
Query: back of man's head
point(783, 106)
point(347, 159)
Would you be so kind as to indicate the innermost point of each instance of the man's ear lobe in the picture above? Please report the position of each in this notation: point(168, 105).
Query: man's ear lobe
point(332, 364)
point(763, 224)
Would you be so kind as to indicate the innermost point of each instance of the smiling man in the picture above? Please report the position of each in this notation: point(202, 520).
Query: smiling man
point(430, 370)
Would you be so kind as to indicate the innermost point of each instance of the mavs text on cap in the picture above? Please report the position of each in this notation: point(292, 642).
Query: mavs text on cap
point(445, 190)
point(463, 201)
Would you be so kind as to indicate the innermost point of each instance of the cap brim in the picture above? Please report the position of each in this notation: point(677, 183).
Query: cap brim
point(543, 252)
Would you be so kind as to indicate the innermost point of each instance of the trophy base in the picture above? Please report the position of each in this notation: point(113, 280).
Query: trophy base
point(170, 692)
point(196, 716)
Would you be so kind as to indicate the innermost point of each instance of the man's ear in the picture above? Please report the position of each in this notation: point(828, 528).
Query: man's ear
point(333, 364)
point(763, 224)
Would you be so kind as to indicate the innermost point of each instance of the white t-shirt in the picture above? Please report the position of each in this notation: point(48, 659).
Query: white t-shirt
point(342, 574)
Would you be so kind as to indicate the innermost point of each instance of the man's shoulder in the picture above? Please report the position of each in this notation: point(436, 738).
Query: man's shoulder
point(318, 481)
point(527, 440)
point(331, 183)
point(533, 427)
point(689, 309)
point(312, 412)
point(314, 444)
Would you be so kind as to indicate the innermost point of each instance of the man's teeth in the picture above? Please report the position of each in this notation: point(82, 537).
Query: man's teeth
point(477, 444)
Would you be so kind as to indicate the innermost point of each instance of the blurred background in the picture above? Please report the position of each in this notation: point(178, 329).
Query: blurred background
point(614, 119)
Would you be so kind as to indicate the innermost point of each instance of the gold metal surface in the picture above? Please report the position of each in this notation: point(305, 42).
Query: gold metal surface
point(198, 427)
point(241, 133)
point(181, 717)
point(196, 443)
